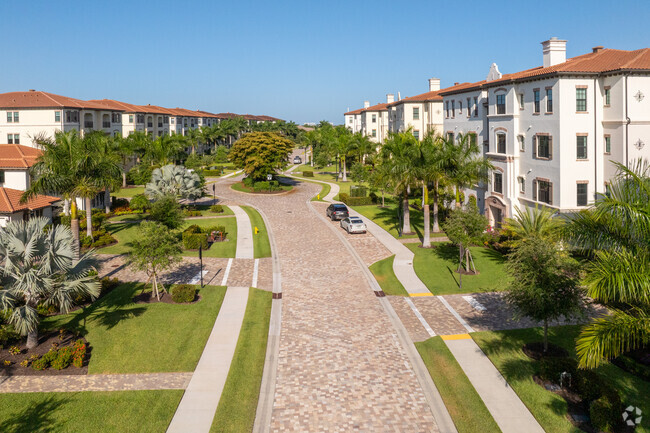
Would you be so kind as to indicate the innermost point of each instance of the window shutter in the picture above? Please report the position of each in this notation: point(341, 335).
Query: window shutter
point(550, 193)
point(534, 189)
point(534, 146)
point(550, 147)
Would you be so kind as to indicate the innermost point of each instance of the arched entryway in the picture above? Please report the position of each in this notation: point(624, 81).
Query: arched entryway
point(496, 211)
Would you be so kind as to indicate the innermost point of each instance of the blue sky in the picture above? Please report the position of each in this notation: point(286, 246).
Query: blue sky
point(299, 60)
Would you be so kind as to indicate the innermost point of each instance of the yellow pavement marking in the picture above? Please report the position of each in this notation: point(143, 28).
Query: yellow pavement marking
point(456, 337)
point(420, 294)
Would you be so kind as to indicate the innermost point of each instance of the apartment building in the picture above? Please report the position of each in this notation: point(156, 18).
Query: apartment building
point(352, 119)
point(374, 120)
point(15, 162)
point(422, 113)
point(553, 132)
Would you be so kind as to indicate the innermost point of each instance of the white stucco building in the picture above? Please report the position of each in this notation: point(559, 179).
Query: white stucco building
point(352, 119)
point(374, 120)
point(422, 113)
point(554, 131)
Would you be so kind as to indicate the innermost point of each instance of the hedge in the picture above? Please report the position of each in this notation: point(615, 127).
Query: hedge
point(308, 173)
point(192, 241)
point(354, 201)
point(183, 293)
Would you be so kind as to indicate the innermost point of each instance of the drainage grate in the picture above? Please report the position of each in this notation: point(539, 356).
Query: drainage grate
point(277, 295)
point(380, 294)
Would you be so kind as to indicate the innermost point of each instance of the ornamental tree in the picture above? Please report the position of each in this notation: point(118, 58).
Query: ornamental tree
point(260, 153)
point(174, 180)
point(155, 250)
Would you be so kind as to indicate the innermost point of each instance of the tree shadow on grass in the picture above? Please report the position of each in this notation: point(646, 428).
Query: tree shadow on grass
point(37, 417)
point(447, 251)
point(494, 255)
point(119, 226)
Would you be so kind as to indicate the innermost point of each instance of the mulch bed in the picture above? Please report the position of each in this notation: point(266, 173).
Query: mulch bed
point(535, 350)
point(45, 342)
point(166, 298)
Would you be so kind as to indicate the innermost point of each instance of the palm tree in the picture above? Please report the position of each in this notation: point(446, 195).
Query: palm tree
point(397, 153)
point(342, 146)
point(40, 268)
point(467, 167)
point(194, 136)
point(616, 232)
point(538, 222)
point(165, 149)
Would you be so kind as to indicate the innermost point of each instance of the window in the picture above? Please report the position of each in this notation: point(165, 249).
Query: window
point(501, 104)
point(374, 118)
point(581, 194)
point(350, 120)
point(472, 138)
point(581, 99)
point(521, 101)
point(374, 133)
point(498, 183)
point(15, 116)
point(536, 101)
point(608, 96)
point(581, 147)
point(608, 144)
point(549, 100)
point(450, 136)
point(166, 119)
point(543, 191)
point(2, 176)
point(416, 113)
point(149, 122)
point(117, 118)
point(522, 145)
point(130, 118)
point(522, 184)
point(475, 106)
point(543, 149)
point(460, 107)
point(469, 110)
point(140, 118)
point(416, 134)
point(72, 116)
point(10, 116)
point(57, 116)
point(160, 122)
point(13, 138)
point(453, 108)
point(501, 143)
point(447, 108)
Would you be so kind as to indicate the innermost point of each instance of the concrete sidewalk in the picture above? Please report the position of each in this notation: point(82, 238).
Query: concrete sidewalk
point(199, 403)
point(245, 249)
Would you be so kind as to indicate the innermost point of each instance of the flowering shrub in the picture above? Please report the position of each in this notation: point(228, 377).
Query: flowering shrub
point(79, 353)
point(63, 358)
point(14, 350)
point(24, 363)
point(39, 364)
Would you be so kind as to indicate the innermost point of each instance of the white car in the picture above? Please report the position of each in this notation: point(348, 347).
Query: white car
point(297, 160)
point(353, 225)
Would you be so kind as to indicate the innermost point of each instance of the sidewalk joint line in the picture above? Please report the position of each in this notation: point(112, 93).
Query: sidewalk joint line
point(224, 281)
point(455, 313)
point(420, 317)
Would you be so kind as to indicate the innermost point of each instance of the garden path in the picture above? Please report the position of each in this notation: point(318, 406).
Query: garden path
point(244, 234)
point(343, 362)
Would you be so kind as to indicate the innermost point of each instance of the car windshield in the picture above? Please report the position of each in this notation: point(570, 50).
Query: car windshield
point(355, 221)
point(340, 207)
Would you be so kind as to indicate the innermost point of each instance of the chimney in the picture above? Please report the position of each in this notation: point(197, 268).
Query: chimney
point(390, 98)
point(434, 84)
point(366, 104)
point(554, 51)
point(399, 97)
point(597, 49)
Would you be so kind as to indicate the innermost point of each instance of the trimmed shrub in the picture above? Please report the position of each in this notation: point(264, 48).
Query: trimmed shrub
point(354, 201)
point(168, 212)
point(344, 197)
point(248, 181)
point(119, 202)
point(589, 385)
point(358, 191)
point(193, 229)
point(108, 284)
point(374, 198)
point(63, 359)
point(551, 368)
point(308, 174)
point(214, 172)
point(216, 208)
point(262, 186)
point(40, 364)
point(50, 356)
point(194, 241)
point(139, 202)
point(183, 293)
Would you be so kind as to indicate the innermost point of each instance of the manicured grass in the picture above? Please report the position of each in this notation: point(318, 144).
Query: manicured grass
point(383, 272)
point(236, 411)
point(437, 266)
point(128, 192)
point(126, 232)
point(504, 350)
point(143, 338)
point(88, 412)
point(129, 217)
point(387, 218)
point(239, 186)
point(325, 189)
point(261, 244)
point(205, 210)
point(461, 399)
point(328, 174)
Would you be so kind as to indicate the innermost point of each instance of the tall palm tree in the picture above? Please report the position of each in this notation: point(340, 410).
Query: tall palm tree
point(165, 149)
point(39, 267)
point(342, 145)
point(397, 153)
point(616, 232)
point(194, 136)
point(467, 167)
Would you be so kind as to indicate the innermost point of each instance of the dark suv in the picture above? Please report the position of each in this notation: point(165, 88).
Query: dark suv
point(337, 212)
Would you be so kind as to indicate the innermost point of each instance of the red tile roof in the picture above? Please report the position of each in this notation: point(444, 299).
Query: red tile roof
point(378, 107)
point(37, 99)
point(598, 62)
point(112, 104)
point(10, 201)
point(423, 97)
point(353, 112)
point(18, 156)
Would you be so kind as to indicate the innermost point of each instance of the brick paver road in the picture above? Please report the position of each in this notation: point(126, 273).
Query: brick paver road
point(341, 366)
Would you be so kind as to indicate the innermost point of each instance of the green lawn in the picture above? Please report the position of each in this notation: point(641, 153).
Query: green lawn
point(327, 174)
point(143, 338)
point(437, 266)
point(239, 186)
point(128, 217)
point(325, 189)
point(387, 218)
point(238, 403)
point(126, 232)
point(504, 350)
point(205, 210)
point(461, 399)
point(128, 192)
point(261, 244)
point(383, 272)
point(88, 412)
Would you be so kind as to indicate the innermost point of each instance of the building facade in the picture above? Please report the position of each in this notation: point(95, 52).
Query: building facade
point(422, 113)
point(554, 132)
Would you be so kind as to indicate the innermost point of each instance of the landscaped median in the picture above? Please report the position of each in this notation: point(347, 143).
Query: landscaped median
point(504, 348)
point(385, 276)
point(261, 244)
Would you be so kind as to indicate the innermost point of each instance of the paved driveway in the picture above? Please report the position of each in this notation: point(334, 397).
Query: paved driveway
point(341, 366)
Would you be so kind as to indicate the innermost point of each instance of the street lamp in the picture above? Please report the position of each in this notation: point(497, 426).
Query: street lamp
point(214, 193)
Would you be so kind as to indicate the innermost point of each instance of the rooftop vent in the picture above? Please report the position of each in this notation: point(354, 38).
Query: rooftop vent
point(597, 49)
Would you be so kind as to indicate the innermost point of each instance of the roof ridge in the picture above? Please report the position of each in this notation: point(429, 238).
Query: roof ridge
point(51, 98)
point(641, 52)
point(5, 197)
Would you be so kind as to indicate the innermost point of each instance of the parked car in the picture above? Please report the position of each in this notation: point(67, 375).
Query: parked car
point(297, 160)
point(337, 211)
point(353, 225)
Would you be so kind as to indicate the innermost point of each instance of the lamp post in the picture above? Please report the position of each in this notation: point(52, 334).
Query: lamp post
point(201, 261)
point(214, 193)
